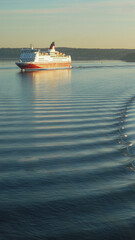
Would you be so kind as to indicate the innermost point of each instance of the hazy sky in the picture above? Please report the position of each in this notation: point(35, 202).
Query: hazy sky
point(72, 23)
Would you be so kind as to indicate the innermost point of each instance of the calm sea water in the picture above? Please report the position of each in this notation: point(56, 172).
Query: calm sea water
point(67, 152)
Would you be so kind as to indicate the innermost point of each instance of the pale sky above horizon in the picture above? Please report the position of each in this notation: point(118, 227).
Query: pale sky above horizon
point(72, 23)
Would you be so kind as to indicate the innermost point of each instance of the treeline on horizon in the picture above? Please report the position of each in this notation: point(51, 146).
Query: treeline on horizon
point(79, 53)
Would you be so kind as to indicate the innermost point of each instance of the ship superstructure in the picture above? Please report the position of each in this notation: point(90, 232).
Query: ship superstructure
point(32, 59)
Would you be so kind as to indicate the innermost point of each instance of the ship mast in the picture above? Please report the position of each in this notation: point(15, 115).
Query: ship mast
point(31, 46)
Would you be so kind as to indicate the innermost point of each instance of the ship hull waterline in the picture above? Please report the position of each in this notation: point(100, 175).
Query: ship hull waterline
point(43, 66)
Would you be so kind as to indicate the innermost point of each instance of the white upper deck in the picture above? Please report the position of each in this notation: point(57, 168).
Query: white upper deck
point(35, 55)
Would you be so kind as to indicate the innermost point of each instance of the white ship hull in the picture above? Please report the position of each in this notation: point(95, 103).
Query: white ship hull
point(44, 66)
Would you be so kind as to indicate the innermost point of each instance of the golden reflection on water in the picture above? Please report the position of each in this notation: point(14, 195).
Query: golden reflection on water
point(46, 90)
point(52, 78)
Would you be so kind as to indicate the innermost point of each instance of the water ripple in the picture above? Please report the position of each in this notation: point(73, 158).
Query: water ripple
point(66, 153)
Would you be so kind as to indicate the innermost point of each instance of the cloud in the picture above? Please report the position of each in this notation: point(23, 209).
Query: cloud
point(114, 7)
point(35, 11)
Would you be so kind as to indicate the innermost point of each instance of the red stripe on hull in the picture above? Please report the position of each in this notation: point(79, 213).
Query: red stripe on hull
point(43, 65)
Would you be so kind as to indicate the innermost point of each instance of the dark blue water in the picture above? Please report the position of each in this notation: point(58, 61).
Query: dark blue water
point(67, 152)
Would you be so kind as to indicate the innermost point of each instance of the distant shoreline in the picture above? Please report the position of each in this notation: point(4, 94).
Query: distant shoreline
point(82, 54)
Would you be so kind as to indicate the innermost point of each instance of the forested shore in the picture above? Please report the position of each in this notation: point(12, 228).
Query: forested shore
point(79, 53)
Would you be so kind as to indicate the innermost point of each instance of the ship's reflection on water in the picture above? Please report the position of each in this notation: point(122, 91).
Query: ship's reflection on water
point(45, 94)
point(46, 80)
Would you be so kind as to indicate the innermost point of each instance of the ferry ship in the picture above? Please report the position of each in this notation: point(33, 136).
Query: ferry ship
point(35, 59)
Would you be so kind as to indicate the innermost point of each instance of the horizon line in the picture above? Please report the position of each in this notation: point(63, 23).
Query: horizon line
point(70, 47)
